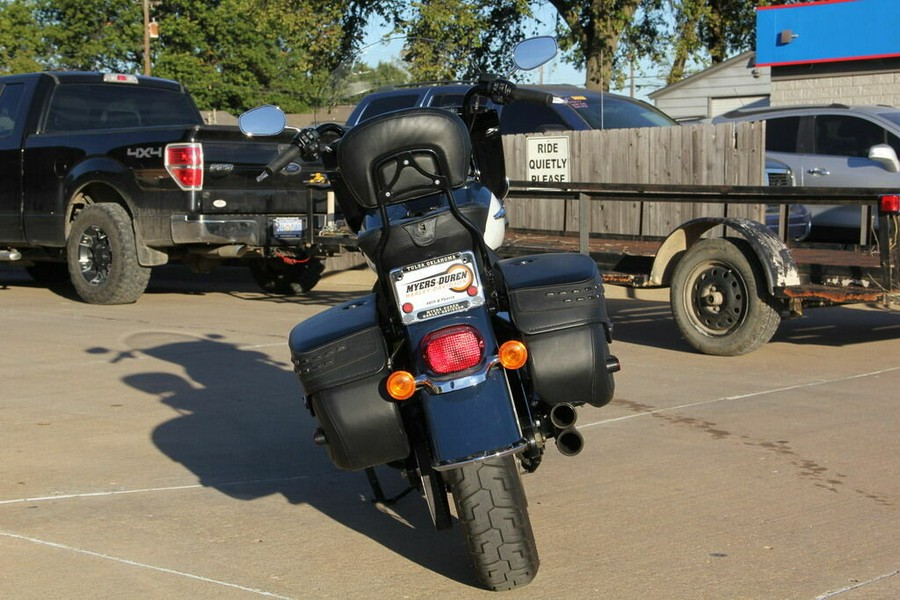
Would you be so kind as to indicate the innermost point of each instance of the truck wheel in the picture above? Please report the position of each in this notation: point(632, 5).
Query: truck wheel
point(719, 299)
point(102, 257)
point(493, 510)
point(276, 276)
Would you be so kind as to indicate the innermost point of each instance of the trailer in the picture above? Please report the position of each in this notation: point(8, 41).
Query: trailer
point(731, 279)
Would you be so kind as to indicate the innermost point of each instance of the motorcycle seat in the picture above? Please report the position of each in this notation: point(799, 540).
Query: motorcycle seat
point(430, 150)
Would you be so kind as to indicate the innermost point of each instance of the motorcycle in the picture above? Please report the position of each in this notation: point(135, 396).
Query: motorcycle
point(459, 367)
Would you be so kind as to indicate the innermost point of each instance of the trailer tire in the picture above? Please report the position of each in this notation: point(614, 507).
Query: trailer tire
point(102, 256)
point(720, 300)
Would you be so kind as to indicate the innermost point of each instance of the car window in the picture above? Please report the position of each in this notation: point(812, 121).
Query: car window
point(525, 117)
point(379, 106)
point(77, 107)
point(781, 134)
point(841, 135)
point(452, 101)
point(894, 142)
point(10, 95)
point(610, 112)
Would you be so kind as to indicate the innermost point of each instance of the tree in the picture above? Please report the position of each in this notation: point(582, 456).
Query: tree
point(458, 39)
point(77, 40)
point(711, 30)
point(21, 44)
point(594, 30)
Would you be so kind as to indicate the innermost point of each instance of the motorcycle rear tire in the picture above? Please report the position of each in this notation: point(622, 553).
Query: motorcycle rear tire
point(493, 511)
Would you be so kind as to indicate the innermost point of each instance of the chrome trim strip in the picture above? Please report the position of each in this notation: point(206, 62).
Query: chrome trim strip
point(453, 385)
point(514, 449)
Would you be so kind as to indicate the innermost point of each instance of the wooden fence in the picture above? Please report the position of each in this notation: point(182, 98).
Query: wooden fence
point(725, 154)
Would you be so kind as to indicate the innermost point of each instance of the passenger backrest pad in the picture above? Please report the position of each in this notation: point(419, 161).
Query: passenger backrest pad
point(401, 155)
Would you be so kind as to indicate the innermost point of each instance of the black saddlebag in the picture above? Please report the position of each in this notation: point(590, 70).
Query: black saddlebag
point(341, 358)
point(556, 302)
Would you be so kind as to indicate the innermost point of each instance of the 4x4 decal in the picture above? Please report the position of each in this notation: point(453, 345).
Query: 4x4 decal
point(145, 152)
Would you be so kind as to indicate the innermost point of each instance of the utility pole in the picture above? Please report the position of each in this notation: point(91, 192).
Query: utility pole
point(146, 37)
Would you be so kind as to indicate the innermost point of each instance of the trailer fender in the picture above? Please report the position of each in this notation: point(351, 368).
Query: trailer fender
point(773, 255)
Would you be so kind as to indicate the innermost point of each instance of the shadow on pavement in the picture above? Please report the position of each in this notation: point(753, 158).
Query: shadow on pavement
point(232, 280)
point(240, 426)
point(650, 323)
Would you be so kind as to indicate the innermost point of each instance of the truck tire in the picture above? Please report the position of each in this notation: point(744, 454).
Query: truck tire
point(102, 257)
point(493, 511)
point(719, 298)
point(275, 276)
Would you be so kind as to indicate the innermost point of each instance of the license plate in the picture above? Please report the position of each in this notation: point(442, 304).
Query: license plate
point(437, 287)
point(289, 226)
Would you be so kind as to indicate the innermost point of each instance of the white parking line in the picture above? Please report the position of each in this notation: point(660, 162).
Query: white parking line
point(799, 386)
point(133, 563)
point(156, 489)
point(850, 588)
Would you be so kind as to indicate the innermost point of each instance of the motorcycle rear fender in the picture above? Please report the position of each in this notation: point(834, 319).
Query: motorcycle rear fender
point(473, 423)
point(468, 421)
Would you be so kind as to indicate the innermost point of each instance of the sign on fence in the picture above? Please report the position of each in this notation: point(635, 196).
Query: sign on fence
point(547, 158)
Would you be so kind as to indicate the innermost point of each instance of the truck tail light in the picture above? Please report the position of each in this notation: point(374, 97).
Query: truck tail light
point(184, 163)
point(889, 204)
point(453, 349)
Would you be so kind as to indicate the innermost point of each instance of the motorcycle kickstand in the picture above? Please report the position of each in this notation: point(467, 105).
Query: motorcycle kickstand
point(378, 492)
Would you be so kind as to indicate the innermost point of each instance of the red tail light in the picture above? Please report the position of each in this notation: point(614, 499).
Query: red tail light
point(184, 162)
point(889, 204)
point(453, 349)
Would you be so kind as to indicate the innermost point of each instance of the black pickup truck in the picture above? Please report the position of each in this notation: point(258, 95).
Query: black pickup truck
point(103, 176)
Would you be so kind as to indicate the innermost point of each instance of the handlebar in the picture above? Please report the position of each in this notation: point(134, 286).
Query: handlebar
point(501, 91)
point(280, 162)
point(307, 144)
point(532, 96)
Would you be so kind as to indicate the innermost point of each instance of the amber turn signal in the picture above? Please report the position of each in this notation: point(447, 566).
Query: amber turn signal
point(513, 354)
point(401, 385)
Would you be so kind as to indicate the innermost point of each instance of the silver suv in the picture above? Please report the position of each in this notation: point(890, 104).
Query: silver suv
point(832, 146)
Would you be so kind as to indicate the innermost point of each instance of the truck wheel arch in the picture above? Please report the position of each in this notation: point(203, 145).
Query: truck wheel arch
point(773, 256)
point(94, 193)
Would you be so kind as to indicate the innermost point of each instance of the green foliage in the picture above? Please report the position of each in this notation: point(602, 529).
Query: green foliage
point(234, 54)
point(457, 39)
point(231, 54)
point(710, 31)
point(21, 44)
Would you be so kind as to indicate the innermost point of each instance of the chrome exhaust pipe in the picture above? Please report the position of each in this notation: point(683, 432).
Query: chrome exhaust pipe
point(563, 415)
point(569, 441)
point(613, 365)
point(319, 438)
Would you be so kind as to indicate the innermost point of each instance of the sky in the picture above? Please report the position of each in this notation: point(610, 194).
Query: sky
point(554, 72)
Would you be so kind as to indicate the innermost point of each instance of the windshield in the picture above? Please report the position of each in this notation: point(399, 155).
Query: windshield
point(609, 112)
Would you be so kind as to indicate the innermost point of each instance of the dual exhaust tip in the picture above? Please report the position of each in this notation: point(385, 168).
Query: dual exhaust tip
point(569, 440)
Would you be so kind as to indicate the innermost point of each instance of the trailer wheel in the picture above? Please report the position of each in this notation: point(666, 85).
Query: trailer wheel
point(719, 299)
point(102, 256)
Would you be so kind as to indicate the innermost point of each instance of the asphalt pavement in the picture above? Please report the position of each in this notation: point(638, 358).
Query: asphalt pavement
point(161, 450)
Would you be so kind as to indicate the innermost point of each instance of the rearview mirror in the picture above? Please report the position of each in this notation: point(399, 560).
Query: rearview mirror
point(534, 52)
point(262, 120)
